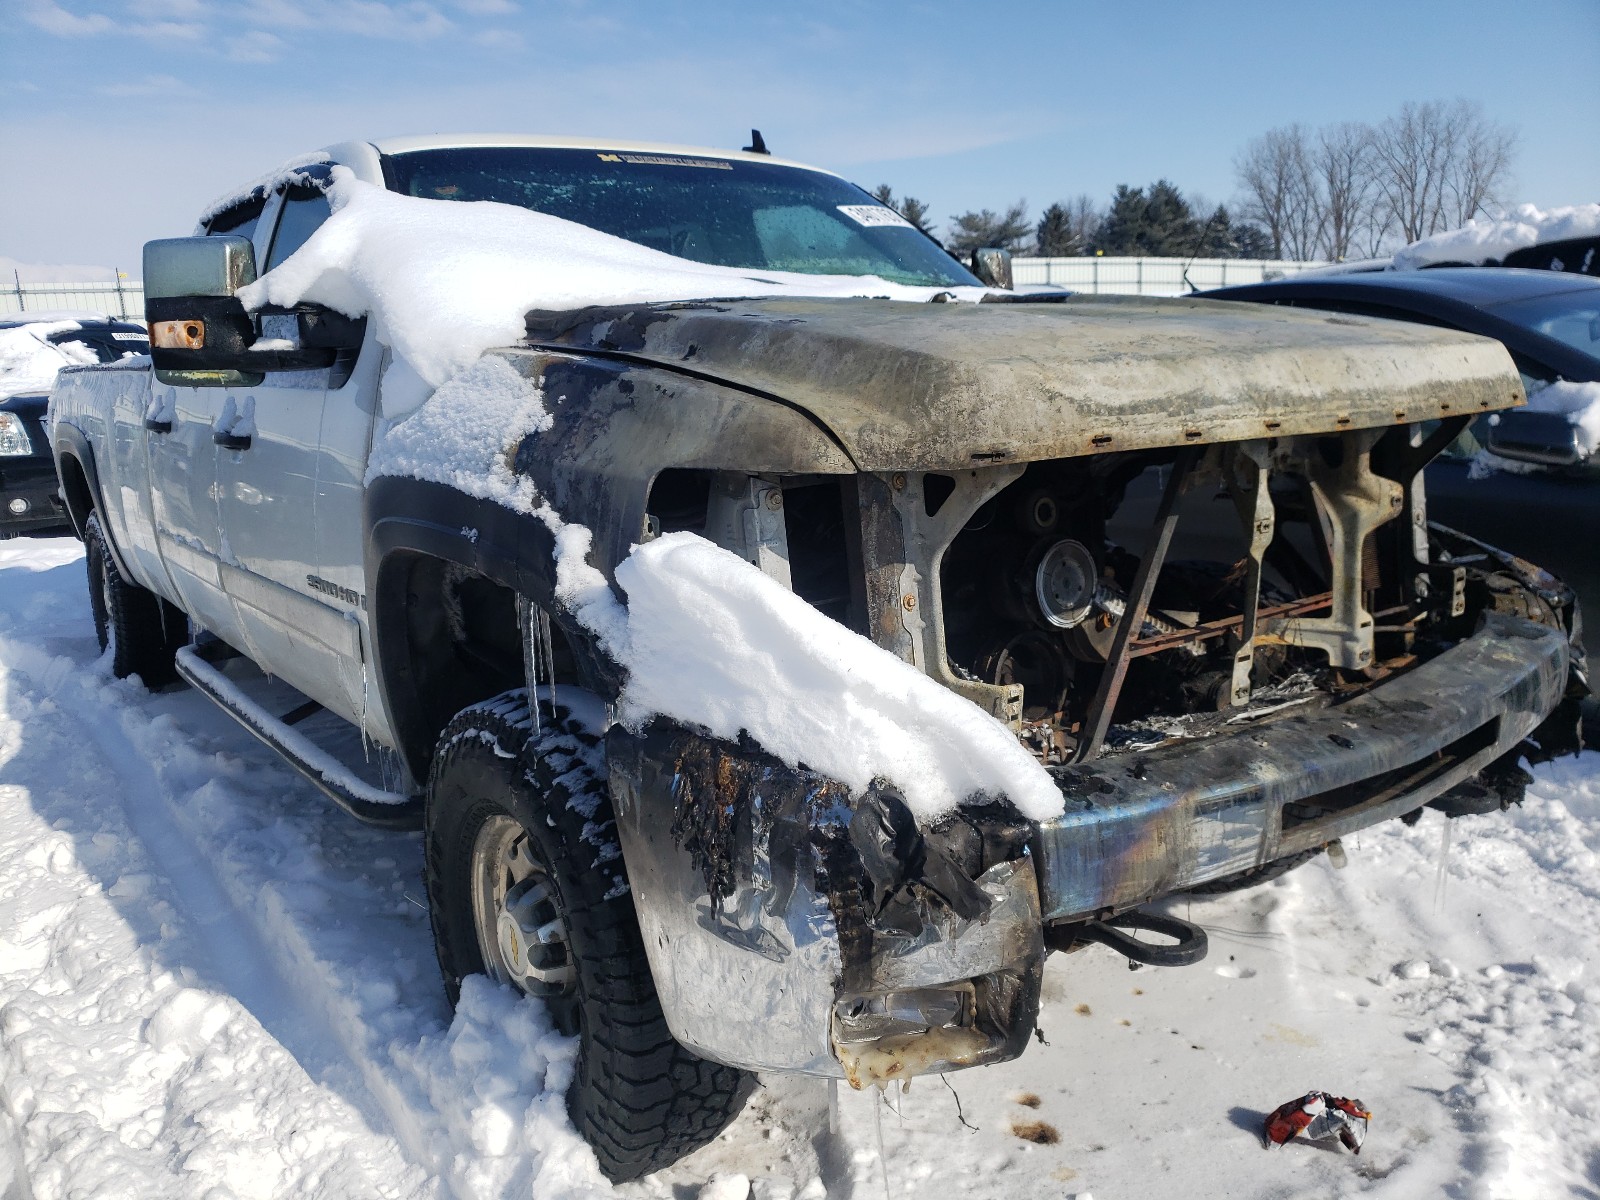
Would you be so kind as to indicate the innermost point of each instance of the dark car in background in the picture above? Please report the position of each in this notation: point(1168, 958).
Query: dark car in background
point(29, 499)
point(1544, 502)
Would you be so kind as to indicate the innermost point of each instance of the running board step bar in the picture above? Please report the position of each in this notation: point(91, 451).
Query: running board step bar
point(387, 810)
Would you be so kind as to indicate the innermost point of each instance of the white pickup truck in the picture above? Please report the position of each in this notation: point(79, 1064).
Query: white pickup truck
point(1166, 562)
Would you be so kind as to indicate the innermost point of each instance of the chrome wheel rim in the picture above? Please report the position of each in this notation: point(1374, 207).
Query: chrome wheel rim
point(521, 934)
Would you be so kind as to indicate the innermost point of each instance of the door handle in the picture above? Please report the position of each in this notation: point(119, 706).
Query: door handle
point(155, 426)
point(231, 441)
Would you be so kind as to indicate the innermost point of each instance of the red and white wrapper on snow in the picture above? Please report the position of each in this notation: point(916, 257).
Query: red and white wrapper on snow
point(1319, 1116)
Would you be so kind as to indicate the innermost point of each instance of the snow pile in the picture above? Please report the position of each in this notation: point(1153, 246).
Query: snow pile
point(713, 641)
point(445, 280)
point(1486, 239)
point(1578, 402)
point(498, 1079)
point(28, 362)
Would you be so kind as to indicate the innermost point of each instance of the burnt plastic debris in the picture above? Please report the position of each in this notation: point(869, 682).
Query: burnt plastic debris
point(1319, 1116)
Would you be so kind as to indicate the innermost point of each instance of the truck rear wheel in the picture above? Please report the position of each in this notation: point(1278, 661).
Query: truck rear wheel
point(142, 631)
point(526, 884)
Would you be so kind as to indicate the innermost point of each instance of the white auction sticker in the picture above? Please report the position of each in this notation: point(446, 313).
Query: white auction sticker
point(874, 216)
point(127, 337)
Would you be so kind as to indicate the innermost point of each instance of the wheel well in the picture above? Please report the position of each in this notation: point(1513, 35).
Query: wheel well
point(449, 637)
point(76, 491)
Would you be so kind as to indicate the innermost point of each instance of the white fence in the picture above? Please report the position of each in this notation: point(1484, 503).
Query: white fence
point(124, 298)
point(1151, 276)
point(1122, 276)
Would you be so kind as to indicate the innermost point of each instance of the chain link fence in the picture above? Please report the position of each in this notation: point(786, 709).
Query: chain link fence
point(1151, 276)
point(123, 298)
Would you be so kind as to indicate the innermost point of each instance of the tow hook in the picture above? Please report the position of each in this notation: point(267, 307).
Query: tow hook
point(1188, 946)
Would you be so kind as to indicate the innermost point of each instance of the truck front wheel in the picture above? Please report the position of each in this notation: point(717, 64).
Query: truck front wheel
point(526, 884)
point(142, 631)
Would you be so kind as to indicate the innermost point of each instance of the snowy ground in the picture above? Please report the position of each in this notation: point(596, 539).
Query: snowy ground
point(212, 985)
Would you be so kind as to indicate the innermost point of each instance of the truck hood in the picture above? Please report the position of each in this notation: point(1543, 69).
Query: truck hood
point(948, 386)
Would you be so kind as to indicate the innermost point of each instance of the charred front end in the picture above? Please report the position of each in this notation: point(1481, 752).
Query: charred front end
point(1181, 551)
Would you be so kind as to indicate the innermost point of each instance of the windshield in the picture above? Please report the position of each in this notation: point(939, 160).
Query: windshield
point(726, 212)
point(1570, 317)
point(107, 344)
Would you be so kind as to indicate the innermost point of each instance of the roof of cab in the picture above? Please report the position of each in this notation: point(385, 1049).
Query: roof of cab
point(450, 141)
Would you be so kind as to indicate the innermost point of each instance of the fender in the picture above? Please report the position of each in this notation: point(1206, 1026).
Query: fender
point(407, 519)
point(614, 427)
point(82, 497)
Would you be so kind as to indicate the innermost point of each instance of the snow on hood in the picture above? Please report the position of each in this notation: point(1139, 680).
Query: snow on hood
point(708, 639)
point(28, 362)
point(1483, 240)
point(445, 280)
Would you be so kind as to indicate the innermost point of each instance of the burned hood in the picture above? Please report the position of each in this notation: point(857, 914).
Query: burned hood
point(945, 386)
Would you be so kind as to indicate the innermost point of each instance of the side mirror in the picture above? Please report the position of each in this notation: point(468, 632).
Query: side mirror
point(993, 267)
point(200, 333)
point(1549, 439)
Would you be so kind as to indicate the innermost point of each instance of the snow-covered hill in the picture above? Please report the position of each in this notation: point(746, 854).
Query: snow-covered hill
point(214, 985)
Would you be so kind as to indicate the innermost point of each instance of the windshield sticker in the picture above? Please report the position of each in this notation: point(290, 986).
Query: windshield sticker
point(875, 216)
point(127, 337)
point(667, 160)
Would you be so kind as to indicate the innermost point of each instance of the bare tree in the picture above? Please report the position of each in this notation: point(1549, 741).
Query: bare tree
point(1482, 165)
point(1439, 164)
point(1280, 189)
point(1342, 159)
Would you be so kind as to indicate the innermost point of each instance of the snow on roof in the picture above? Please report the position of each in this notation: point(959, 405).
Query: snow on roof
point(446, 280)
point(46, 315)
point(1483, 240)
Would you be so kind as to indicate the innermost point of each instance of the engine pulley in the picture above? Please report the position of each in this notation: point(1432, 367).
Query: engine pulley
point(1064, 584)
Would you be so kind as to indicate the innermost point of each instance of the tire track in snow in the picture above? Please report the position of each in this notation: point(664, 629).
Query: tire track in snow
point(144, 1045)
point(257, 859)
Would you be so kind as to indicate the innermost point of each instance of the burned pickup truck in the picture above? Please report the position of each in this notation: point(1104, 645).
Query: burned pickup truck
point(779, 672)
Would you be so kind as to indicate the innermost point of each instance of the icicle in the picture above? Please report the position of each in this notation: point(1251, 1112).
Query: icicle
point(877, 1130)
point(833, 1108)
point(527, 626)
point(1444, 865)
point(549, 653)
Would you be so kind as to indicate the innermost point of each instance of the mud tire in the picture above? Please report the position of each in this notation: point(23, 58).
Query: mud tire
point(641, 1100)
point(1255, 876)
point(142, 631)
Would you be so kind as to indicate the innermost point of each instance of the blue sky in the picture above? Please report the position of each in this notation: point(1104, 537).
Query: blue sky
point(121, 118)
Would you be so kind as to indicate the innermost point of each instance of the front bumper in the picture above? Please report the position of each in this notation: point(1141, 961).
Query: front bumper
point(33, 482)
point(793, 927)
point(1144, 825)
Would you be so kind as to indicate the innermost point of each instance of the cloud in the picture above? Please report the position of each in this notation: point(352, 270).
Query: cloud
point(407, 20)
point(52, 18)
point(499, 39)
point(257, 46)
point(486, 8)
point(150, 85)
point(167, 31)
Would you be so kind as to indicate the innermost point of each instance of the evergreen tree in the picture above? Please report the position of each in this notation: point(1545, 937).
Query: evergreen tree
point(1054, 238)
point(1122, 231)
point(909, 207)
point(977, 230)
